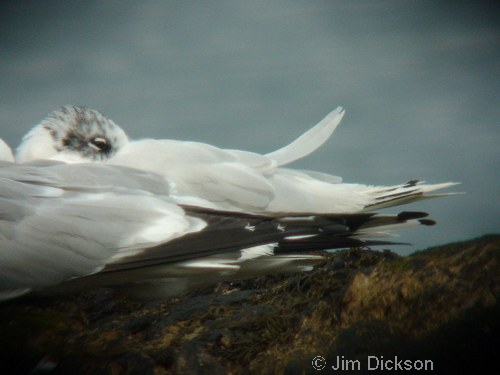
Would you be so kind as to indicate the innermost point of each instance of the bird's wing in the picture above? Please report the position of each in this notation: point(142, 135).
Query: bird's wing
point(99, 224)
point(248, 182)
point(235, 244)
point(53, 228)
point(230, 180)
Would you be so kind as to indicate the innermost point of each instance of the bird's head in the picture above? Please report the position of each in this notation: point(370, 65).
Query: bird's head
point(72, 134)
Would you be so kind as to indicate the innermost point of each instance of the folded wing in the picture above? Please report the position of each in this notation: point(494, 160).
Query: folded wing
point(54, 228)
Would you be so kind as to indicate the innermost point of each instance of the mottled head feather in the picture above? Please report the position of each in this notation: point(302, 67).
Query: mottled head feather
point(72, 133)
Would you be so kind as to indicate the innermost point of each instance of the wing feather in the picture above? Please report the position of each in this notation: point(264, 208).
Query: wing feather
point(54, 228)
point(204, 171)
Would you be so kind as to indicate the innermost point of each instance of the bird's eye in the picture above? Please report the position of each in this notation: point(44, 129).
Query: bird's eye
point(100, 144)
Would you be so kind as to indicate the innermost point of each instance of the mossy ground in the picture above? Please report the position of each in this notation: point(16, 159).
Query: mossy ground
point(439, 304)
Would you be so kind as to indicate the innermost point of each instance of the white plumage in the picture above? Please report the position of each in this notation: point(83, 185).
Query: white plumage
point(5, 152)
point(59, 222)
point(78, 225)
point(228, 179)
point(174, 214)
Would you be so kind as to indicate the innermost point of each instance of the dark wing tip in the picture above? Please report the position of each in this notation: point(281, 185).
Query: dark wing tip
point(427, 222)
point(411, 215)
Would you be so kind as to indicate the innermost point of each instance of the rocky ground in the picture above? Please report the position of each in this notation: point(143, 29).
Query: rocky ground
point(441, 305)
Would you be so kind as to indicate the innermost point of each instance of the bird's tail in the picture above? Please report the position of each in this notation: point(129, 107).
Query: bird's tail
point(412, 191)
point(310, 140)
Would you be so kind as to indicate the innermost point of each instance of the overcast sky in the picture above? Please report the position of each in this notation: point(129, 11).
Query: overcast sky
point(419, 81)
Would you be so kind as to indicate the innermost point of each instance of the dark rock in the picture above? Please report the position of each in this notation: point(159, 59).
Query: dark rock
point(440, 305)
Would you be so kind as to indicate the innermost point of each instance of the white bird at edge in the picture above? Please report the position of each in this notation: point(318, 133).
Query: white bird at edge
point(218, 178)
point(67, 227)
point(5, 152)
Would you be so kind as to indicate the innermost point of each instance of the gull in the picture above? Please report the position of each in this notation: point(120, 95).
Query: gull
point(224, 179)
point(65, 227)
